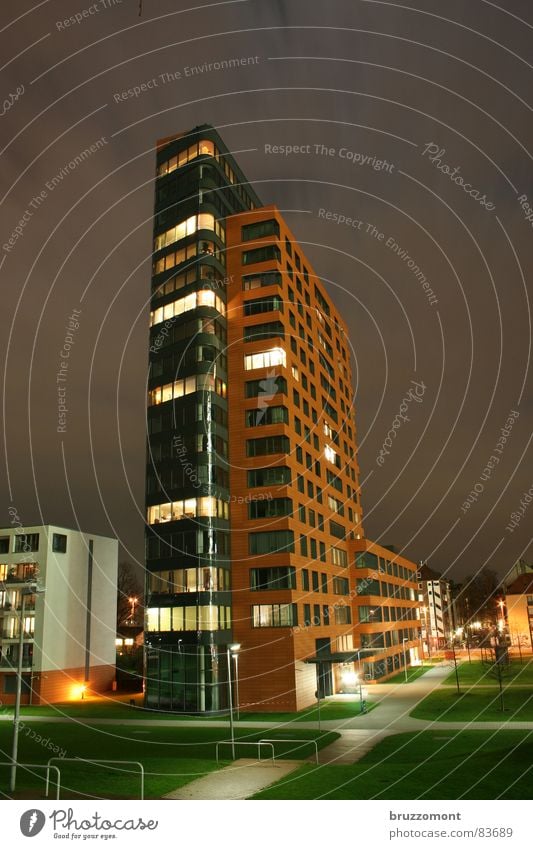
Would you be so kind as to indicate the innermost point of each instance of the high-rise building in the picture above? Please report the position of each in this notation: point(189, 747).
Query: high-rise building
point(59, 585)
point(188, 623)
point(253, 501)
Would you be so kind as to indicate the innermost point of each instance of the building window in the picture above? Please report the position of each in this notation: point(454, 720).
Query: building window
point(366, 560)
point(339, 557)
point(202, 221)
point(203, 618)
point(307, 615)
point(265, 359)
point(271, 476)
point(264, 254)
point(189, 508)
point(59, 543)
point(186, 386)
point(269, 386)
point(343, 616)
point(274, 615)
point(201, 148)
point(303, 545)
point(322, 547)
point(256, 281)
point(264, 331)
point(201, 298)
point(330, 454)
point(270, 542)
point(315, 583)
point(271, 303)
point(268, 416)
point(269, 508)
point(340, 586)
point(305, 579)
point(316, 614)
point(335, 505)
point(26, 542)
point(273, 578)
point(325, 613)
point(267, 445)
point(4, 545)
point(313, 548)
point(259, 229)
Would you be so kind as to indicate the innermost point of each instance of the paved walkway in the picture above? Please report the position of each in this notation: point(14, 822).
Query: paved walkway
point(239, 780)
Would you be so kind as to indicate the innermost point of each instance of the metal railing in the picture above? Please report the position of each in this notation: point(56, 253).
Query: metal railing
point(96, 763)
point(47, 767)
point(259, 743)
point(287, 740)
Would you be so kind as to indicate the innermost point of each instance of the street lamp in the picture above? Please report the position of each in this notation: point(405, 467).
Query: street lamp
point(404, 641)
point(231, 651)
point(29, 590)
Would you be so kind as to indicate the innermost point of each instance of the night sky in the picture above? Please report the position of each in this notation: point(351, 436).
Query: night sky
point(396, 139)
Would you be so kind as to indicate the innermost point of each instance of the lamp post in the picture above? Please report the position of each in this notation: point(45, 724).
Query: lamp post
point(236, 659)
point(231, 651)
point(28, 590)
point(404, 641)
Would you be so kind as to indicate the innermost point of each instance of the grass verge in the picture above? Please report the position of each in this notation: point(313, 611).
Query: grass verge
point(171, 756)
point(476, 672)
point(476, 705)
point(427, 765)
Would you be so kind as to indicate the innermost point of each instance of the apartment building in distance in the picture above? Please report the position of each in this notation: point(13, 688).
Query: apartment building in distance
point(254, 517)
point(60, 585)
point(437, 621)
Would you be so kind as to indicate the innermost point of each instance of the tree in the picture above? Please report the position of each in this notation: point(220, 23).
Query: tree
point(478, 592)
point(129, 585)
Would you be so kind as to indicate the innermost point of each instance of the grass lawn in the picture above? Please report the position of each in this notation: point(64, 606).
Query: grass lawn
point(108, 708)
point(328, 710)
point(171, 756)
point(428, 765)
point(478, 704)
point(413, 673)
point(477, 673)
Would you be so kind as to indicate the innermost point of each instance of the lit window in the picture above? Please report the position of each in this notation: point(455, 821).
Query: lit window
point(203, 298)
point(330, 454)
point(265, 359)
point(204, 221)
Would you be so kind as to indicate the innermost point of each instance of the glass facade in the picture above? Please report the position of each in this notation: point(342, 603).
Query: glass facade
point(188, 625)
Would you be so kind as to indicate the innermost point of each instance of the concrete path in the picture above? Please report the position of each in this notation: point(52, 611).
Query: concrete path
point(239, 780)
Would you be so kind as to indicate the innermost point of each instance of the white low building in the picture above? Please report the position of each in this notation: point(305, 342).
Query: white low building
point(69, 624)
